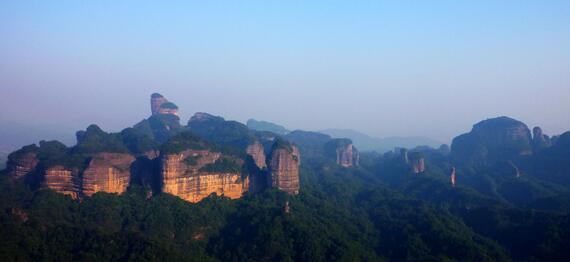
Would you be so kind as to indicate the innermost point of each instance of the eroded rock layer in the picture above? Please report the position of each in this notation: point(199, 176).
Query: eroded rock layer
point(19, 166)
point(284, 168)
point(185, 175)
point(256, 151)
point(63, 180)
point(107, 172)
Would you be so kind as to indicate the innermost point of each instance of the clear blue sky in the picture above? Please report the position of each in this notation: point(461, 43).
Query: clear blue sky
point(429, 68)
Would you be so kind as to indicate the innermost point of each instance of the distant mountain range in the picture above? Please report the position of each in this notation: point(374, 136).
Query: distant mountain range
point(365, 142)
point(267, 126)
point(362, 141)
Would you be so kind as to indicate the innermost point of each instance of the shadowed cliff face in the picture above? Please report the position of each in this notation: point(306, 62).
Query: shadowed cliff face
point(284, 167)
point(540, 141)
point(156, 100)
point(20, 165)
point(192, 175)
point(256, 151)
point(494, 139)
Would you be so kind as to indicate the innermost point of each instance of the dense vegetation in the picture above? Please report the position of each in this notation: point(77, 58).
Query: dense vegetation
point(220, 131)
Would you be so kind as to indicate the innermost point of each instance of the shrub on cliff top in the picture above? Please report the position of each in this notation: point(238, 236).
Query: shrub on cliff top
point(184, 141)
point(94, 140)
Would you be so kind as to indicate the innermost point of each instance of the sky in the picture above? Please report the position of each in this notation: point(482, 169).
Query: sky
point(386, 68)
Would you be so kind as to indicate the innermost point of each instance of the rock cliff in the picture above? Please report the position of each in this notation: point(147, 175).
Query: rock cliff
point(257, 152)
point(107, 172)
point(187, 176)
point(192, 170)
point(156, 100)
point(343, 151)
point(63, 180)
point(284, 167)
point(417, 162)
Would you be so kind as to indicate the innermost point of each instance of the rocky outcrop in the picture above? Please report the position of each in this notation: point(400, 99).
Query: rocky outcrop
point(342, 150)
point(156, 100)
point(284, 167)
point(160, 105)
point(186, 175)
point(63, 180)
point(256, 151)
point(496, 139)
point(417, 162)
point(107, 172)
point(540, 141)
point(19, 165)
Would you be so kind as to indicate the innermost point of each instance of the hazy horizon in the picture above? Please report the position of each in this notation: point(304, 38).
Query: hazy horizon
point(385, 69)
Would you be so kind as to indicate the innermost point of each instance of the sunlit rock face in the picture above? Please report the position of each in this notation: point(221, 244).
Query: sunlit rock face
point(343, 151)
point(491, 140)
point(257, 152)
point(186, 175)
point(417, 162)
point(107, 172)
point(284, 167)
point(63, 180)
point(168, 108)
point(20, 165)
point(452, 175)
